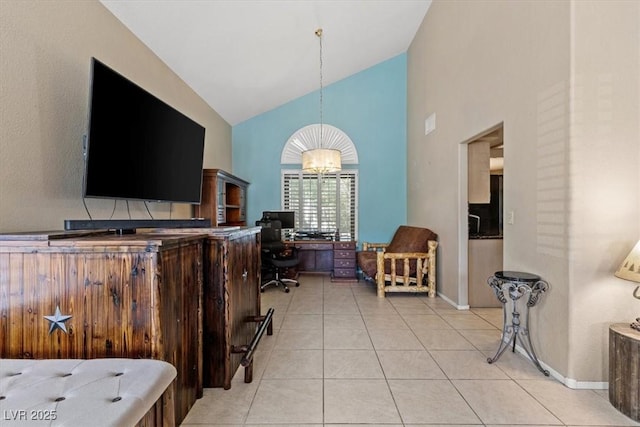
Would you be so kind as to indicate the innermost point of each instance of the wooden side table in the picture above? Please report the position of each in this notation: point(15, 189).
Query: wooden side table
point(624, 369)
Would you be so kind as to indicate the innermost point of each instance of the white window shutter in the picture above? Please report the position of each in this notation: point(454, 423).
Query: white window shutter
point(322, 202)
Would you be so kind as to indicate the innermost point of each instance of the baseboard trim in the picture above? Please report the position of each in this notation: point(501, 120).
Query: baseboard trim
point(569, 382)
point(459, 307)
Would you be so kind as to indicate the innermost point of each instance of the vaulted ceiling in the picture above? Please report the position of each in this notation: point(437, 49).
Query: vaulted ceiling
point(245, 57)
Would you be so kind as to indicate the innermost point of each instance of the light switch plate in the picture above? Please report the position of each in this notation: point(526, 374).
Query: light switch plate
point(430, 124)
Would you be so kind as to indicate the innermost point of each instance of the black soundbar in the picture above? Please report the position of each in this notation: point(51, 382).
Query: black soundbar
point(132, 224)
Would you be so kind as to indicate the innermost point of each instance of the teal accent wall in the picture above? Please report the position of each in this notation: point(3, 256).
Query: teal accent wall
point(371, 108)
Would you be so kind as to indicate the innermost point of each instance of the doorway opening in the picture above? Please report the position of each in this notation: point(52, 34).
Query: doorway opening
point(485, 181)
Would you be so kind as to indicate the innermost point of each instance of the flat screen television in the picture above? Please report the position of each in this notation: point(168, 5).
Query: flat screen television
point(139, 147)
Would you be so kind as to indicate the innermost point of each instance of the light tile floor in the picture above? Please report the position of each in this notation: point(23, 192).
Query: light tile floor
point(341, 356)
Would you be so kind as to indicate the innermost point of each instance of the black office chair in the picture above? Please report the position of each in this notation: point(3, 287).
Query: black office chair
point(276, 256)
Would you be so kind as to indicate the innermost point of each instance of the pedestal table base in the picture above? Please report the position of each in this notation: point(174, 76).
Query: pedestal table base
point(515, 285)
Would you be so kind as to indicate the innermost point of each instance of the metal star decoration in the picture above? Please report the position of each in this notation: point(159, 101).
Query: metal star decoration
point(57, 321)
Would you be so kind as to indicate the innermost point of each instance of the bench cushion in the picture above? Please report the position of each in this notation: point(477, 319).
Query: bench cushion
point(76, 392)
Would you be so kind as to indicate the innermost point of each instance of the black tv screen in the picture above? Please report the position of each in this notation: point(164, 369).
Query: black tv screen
point(138, 147)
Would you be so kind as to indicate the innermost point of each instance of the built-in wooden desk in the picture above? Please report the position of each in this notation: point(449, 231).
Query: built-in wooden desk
point(337, 258)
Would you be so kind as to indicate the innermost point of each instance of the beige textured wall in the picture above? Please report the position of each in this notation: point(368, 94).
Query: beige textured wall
point(44, 81)
point(476, 64)
point(605, 176)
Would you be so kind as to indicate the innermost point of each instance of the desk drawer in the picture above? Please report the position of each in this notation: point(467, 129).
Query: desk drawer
point(344, 263)
point(315, 246)
point(344, 245)
point(344, 254)
point(347, 273)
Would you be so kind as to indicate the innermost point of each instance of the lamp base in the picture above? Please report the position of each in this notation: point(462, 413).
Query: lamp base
point(636, 325)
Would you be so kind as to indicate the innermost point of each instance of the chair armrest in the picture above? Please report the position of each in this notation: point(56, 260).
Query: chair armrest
point(425, 265)
point(432, 244)
point(368, 246)
point(405, 257)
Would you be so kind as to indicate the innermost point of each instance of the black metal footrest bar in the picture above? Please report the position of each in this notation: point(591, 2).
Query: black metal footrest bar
point(248, 350)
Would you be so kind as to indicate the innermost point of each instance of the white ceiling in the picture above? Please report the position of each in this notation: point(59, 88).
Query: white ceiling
point(245, 57)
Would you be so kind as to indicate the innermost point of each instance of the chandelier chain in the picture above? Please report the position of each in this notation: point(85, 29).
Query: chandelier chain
point(321, 160)
point(319, 34)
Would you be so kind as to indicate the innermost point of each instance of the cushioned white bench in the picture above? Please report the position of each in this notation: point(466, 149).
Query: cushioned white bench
point(74, 392)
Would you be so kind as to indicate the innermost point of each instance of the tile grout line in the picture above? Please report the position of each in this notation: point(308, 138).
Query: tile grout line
point(384, 374)
point(360, 299)
point(323, 354)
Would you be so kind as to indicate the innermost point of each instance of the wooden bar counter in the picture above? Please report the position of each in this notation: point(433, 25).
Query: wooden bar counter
point(231, 297)
point(90, 295)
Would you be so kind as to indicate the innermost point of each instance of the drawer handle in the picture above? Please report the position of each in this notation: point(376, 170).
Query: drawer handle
point(245, 274)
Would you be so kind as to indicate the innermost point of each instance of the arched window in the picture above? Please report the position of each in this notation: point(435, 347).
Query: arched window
point(327, 202)
point(306, 139)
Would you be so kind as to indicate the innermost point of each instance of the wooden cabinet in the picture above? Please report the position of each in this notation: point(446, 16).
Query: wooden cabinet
point(134, 296)
point(479, 159)
point(223, 198)
point(231, 300)
point(344, 261)
point(315, 256)
point(231, 297)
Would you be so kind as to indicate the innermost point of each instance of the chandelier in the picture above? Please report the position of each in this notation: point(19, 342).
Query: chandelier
point(320, 159)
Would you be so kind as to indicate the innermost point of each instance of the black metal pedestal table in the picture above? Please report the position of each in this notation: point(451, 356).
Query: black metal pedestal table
point(515, 285)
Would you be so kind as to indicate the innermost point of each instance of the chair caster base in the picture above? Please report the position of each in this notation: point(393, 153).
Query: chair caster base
point(290, 281)
point(275, 282)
